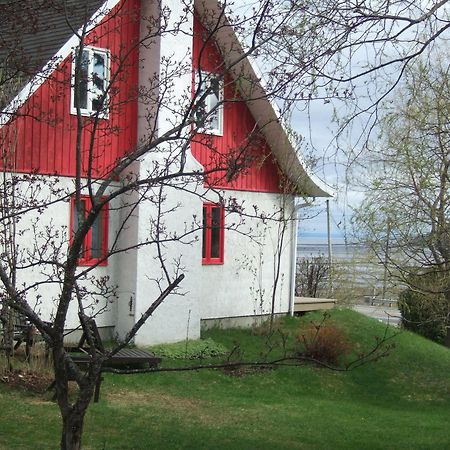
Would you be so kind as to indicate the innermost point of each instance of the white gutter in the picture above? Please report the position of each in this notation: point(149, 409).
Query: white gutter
point(294, 238)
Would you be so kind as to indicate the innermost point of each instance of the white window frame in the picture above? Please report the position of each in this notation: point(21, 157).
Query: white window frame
point(89, 111)
point(204, 78)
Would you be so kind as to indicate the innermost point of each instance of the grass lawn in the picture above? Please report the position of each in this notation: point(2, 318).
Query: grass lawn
point(399, 402)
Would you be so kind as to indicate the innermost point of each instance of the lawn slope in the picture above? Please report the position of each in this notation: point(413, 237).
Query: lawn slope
point(400, 402)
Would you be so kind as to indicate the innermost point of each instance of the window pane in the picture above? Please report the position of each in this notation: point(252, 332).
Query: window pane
point(207, 113)
point(97, 236)
point(215, 233)
point(81, 101)
point(77, 215)
point(98, 80)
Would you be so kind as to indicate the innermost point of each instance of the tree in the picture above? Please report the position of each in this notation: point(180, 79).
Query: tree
point(404, 218)
point(160, 161)
point(312, 276)
point(353, 54)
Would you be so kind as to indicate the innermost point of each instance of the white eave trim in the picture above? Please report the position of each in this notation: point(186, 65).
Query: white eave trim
point(31, 87)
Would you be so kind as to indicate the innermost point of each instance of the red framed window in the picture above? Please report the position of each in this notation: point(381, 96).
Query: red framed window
point(95, 244)
point(213, 233)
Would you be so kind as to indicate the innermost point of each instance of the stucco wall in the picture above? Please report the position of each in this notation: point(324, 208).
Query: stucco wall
point(42, 236)
point(244, 284)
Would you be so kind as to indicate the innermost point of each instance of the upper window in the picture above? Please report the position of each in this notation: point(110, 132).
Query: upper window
point(95, 244)
point(92, 83)
point(209, 105)
point(213, 234)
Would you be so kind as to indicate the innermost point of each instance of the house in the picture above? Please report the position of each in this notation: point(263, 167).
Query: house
point(168, 84)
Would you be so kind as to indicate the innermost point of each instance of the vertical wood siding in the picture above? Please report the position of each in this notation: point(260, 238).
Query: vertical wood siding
point(42, 138)
point(242, 150)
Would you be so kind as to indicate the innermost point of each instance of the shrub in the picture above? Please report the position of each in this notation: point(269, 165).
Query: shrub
point(425, 314)
point(200, 349)
point(324, 342)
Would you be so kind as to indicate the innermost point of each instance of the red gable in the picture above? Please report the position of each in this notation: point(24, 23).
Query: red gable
point(241, 140)
point(42, 137)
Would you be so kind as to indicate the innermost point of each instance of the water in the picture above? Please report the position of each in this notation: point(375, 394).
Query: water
point(354, 268)
point(317, 245)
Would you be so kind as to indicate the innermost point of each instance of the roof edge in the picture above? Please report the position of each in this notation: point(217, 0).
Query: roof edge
point(32, 86)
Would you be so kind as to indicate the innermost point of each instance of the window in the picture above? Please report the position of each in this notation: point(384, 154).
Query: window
point(209, 107)
point(213, 234)
point(93, 82)
point(95, 245)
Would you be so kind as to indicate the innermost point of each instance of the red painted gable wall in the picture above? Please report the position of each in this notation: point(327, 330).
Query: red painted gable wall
point(241, 140)
point(42, 138)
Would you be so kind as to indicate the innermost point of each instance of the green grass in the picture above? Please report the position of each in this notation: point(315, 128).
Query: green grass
point(399, 402)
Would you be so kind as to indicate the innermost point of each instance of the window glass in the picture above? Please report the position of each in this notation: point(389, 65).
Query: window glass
point(215, 232)
point(205, 224)
point(208, 110)
point(92, 83)
point(83, 84)
point(97, 238)
point(98, 80)
point(81, 213)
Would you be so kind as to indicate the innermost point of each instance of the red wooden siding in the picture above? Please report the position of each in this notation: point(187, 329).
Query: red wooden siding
point(42, 138)
point(241, 141)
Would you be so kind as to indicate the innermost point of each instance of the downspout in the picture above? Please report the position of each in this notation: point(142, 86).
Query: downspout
point(294, 226)
point(294, 240)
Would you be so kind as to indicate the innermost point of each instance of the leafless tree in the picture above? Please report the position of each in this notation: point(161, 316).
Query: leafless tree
point(54, 253)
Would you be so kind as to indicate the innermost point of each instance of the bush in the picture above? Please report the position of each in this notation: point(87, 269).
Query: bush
point(200, 349)
point(324, 342)
point(425, 314)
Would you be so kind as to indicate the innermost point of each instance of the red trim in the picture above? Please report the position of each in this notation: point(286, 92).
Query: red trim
point(207, 257)
point(86, 259)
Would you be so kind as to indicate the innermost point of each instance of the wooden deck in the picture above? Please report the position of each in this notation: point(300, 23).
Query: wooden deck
point(305, 304)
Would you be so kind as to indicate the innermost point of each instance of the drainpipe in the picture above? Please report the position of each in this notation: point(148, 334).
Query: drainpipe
point(294, 226)
point(294, 240)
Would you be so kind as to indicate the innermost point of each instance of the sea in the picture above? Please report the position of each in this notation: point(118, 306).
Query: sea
point(354, 268)
point(313, 245)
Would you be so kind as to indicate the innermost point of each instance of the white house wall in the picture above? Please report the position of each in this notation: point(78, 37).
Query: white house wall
point(243, 285)
point(51, 223)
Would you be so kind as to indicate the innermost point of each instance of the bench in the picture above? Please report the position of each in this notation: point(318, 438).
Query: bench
point(374, 301)
point(306, 304)
point(125, 357)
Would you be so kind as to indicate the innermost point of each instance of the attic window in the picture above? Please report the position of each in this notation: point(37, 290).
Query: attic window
point(92, 81)
point(209, 104)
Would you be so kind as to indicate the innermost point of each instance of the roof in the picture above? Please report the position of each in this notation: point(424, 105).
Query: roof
point(32, 32)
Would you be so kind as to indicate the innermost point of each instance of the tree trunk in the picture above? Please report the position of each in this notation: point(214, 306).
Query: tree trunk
point(72, 430)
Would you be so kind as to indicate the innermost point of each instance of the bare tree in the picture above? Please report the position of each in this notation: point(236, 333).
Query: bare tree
point(171, 120)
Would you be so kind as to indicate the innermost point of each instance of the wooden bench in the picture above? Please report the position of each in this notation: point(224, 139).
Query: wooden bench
point(125, 357)
point(305, 304)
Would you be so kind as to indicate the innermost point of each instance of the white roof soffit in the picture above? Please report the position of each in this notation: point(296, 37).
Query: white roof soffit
point(262, 109)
